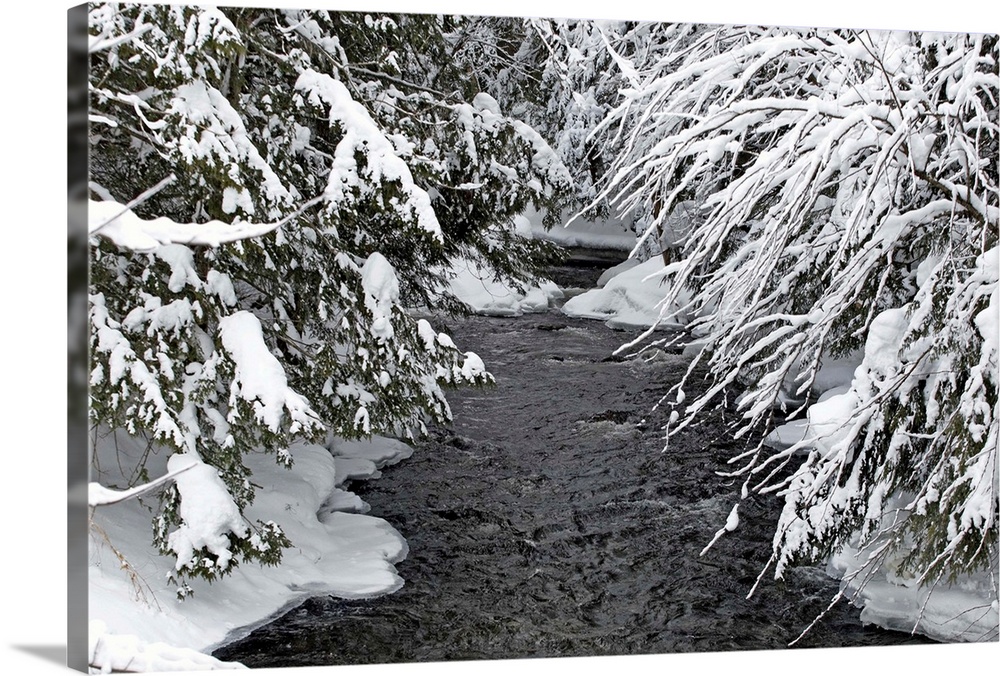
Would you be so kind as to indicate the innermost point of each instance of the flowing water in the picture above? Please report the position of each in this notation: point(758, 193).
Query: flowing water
point(547, 521)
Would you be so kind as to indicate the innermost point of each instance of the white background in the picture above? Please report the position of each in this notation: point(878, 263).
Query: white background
point(32, 391)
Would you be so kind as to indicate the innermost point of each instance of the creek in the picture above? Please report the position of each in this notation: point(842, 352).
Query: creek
point(547, 521)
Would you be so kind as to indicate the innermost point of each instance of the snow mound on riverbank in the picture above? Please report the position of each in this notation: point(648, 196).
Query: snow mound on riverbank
point(947, 612)
point(616, 270)
point(133, 608)
point(632, 299)
point(944, 612)
point(486, 296)
point(128, 653)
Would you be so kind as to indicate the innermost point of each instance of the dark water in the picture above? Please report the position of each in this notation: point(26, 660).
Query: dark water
point(547, 522)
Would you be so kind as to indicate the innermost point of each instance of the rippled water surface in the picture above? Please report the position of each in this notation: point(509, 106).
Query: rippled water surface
point(547, 522)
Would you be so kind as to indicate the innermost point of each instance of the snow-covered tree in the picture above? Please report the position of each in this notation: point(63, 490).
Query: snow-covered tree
point(848, 208)
point(562, 76)
point(270, 190)
point(566, 77)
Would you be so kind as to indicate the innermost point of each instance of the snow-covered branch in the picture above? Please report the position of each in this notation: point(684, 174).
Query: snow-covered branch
point(122, 226)
point(847, 211)
point(102, 495)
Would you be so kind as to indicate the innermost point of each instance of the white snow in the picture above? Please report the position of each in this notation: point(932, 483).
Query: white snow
point(114, 221)
point(486, 296)
point(222, 286)
point(214, 131)
point(483, 101)
point(787, 435)
point(135, 616)
point(181, 261)
point(208, 513)
point(102, 495)
point(944, 612)
point(472, 367)
point(948, 612)
point(987, 322)
point(259, 377)
point(381, 451)
point(382, 161)
point(129, 653)
point(378, 279)
point(616, 270)
point(633, 298)
point(124, 364)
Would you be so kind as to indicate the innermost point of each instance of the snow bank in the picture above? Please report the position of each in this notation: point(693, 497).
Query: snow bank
point(829, 412)
point(129, 653)
point(947, 612)
point(616, 270)
point(357, 460)
point(135, 616)
point(486, 296)
point(633, 299)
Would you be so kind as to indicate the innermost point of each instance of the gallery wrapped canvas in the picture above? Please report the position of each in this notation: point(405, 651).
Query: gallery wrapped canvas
point(425, 338)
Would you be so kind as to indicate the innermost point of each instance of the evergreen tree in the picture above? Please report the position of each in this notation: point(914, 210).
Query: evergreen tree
point(271, 189)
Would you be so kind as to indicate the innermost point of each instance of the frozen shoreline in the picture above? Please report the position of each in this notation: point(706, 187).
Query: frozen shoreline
point(342, 553)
